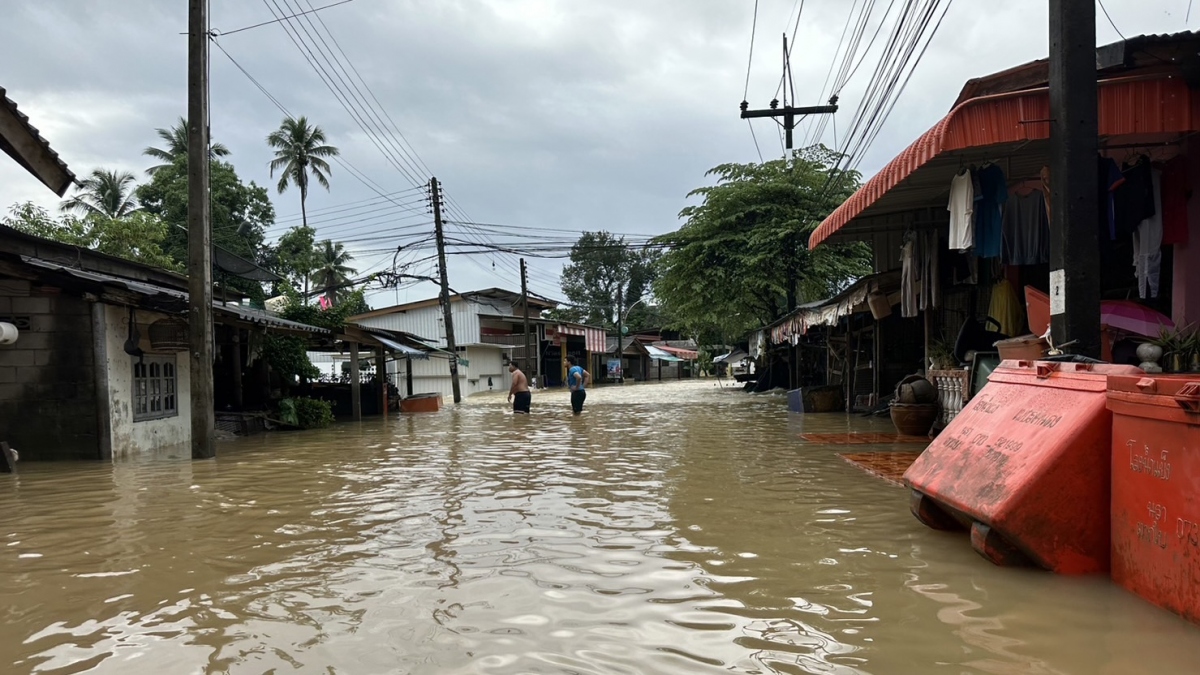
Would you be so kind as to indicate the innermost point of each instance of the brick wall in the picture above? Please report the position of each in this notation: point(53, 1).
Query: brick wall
point(47, 379)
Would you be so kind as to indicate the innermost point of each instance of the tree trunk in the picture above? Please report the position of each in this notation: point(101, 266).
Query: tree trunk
point(304, 220)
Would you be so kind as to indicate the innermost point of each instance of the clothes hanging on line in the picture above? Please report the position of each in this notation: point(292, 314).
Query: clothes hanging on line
point(930, 288)
point(1006, 309)
point(1110, 179)
point(962, 209)
point(908, 277)
point(989, 204)
point(1026, 230)
point(1147, 244)
point(1133, 199)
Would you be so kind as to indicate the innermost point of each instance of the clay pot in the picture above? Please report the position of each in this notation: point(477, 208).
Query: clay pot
point(914, 419)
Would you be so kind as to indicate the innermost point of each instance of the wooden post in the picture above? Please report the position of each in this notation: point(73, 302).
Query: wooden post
point(928, 317)
point(1074, 212)
point(355, 385)
point(200, 335)
point(100, 366)
point(238, 399)
point(381, 376)
point(408, 366)
point(562, 354)
point(8, 459)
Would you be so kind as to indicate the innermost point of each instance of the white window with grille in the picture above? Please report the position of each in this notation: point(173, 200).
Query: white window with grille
point(154, 388)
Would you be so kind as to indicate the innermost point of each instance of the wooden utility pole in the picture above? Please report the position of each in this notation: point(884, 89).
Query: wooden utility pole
point(788, 113)
point(447, 315)
point(1074, 213)
point(620, 335)
point(525, 304)
point(355, 383)
point(200, 333)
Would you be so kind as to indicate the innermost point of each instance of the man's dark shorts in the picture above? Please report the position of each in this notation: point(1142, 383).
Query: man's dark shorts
point(577, 398)
point(521, 401)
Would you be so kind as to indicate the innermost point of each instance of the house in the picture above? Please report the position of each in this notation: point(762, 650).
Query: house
point(489, 332)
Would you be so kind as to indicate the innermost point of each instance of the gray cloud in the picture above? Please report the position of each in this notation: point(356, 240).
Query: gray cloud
point(539, 112)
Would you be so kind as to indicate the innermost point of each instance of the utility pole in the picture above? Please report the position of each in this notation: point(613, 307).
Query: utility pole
point(620, 336)
point(200, 332)
point(788, 113)
point(436, 195)
point(1074, 244)
point(525, 303)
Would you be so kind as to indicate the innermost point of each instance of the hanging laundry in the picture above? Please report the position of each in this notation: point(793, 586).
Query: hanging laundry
point(931, 288)
point(908, 277)
point(1109, 179)
point(1133, 200)
point(1147, 245)
point(1026, 230)
point(1006, 309)
point(962, 207)
point(1175, 193)
point(988, 209)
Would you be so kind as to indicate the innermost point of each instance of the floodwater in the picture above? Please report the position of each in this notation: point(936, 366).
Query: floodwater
point(673, 528)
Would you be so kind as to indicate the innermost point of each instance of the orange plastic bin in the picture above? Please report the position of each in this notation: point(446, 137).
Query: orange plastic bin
point(1025, 467)
point(1156, 489)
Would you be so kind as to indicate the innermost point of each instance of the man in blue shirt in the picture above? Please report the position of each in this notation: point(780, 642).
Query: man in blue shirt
point(577, 380)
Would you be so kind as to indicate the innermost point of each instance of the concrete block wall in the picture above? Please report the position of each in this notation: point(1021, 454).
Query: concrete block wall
point(47, 379)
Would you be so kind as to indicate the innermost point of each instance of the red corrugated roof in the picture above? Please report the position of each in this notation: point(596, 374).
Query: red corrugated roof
point(1138, 106)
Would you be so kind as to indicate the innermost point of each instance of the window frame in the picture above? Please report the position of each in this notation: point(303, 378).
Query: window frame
point(155, 392)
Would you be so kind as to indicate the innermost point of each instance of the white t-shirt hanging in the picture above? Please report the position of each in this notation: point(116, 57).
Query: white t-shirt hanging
point(962, 209)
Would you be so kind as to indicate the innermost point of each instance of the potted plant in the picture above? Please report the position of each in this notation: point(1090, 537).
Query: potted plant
point(1174, 345)
point(941, 356)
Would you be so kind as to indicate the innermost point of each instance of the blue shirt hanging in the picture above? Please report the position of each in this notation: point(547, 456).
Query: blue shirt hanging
point(989, 239)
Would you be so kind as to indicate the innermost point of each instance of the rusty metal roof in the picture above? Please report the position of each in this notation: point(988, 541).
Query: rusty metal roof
point(1013, 129)
point(23, 143)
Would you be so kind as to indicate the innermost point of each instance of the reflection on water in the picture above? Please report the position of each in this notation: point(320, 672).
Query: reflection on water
point(675, 528)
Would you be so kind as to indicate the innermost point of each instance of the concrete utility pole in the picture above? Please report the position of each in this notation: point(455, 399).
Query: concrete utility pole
point(436, 195)
point(200, 332)
point(1074, 212)
point(788, 113)
point(525, 303)
point(620, 335)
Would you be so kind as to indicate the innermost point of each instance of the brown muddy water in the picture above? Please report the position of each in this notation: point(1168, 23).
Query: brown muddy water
point(674, 528)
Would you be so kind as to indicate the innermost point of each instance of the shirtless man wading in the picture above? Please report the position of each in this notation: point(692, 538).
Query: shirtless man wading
point(518, 393)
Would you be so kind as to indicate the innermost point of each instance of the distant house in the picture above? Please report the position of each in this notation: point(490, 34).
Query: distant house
point(489, 332)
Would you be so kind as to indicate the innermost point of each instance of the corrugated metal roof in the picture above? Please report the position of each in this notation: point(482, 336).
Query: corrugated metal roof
point(58, 183)
point(262, 318)
point(658, 354)
point(1152, 107)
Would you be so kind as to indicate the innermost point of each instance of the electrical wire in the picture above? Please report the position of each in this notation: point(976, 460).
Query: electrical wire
point(268, 23)
point(1113, 23)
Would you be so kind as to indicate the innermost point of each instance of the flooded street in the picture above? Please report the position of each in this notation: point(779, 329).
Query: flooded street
point(674, 528)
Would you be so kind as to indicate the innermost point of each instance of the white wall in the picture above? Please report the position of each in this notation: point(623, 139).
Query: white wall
point(129, 438)
point(432, 376)
point(428, 323)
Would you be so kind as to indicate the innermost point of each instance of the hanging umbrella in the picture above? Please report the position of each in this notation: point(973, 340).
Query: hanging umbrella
point(1131, 317)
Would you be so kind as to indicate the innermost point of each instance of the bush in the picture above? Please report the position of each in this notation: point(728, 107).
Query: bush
point(306, 413)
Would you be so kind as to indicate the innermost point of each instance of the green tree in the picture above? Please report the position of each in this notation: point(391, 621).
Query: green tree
point(741, 259)
point(138, 236)
point(300, 150)
point(605, 277)
point(103, 192)
point(332, 271)
point(175, 142)
point(296, 256)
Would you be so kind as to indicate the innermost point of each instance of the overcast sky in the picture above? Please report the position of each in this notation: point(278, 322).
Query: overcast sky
point(537, 113)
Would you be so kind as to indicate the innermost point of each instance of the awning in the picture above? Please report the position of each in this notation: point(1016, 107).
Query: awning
point(685, 354)
point(732, 357)
point(404, 350)
point(24, 144)
point(1014, 130)
point(659, 355)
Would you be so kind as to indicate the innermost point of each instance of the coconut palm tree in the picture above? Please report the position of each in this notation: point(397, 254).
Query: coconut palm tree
point(332, 271)
point(300, 150)
point(104, 193)
point(176, 140)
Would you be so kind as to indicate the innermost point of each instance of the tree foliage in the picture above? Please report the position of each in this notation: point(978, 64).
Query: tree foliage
point(741, 259)
point(103, 193)
point(295, 256)
point(138, 237)
point(352, 303)
point(605, 276)
point(175, 145)
point(332, 269)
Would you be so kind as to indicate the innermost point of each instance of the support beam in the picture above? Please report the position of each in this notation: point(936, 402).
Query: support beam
point(355, 385)
point(1074, 212)
point(200, 328)
point(239, 400)
point(408, 375)
point(381, 375)
point(100, 366)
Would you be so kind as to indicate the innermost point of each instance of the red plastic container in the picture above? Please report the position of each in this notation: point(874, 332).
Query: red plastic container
point(1156, 489)
point(1025, 467)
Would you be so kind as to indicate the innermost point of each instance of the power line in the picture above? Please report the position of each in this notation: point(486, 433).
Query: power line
point(267, 23)
point(750, 59)
point(1113, 23)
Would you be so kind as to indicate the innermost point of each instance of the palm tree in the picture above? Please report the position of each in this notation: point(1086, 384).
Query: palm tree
point(300, 150)
point(332, 271)
point(104, 193)
point(176, 139)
